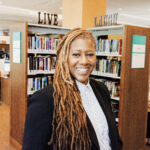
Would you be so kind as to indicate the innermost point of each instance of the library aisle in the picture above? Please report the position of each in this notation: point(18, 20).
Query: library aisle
point(5, 127)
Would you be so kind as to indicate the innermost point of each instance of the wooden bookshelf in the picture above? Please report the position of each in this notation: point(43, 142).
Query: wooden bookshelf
point(132, 117)
point(149, 87)
point(134, 86)
point(5, 81)
point(20, 73)
point(133, 82)
point(4, 43)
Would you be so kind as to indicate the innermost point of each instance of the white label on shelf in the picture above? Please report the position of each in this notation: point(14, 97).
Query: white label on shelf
point(117, 119)
point(41, 51)
point(115, 98)
point(31, 92)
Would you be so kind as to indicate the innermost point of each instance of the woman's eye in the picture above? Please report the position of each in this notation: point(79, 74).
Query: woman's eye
point(90, 54)
point(76, 54)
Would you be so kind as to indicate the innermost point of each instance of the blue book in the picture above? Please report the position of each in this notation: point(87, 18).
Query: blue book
point(97, 45)
point(37, 42)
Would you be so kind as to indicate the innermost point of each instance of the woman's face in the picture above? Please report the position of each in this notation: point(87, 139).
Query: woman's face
point(81, 59)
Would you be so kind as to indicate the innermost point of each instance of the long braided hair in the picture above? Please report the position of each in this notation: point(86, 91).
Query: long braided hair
point(69, 116)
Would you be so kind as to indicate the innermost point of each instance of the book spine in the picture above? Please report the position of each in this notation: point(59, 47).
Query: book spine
point(40, 63)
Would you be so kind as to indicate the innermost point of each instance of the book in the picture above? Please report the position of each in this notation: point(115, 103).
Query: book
point(41, 42)
point(113, 46)
point(108, 66)
point(37, 83)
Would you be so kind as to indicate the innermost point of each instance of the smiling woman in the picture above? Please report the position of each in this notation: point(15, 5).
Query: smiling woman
point(74, 112)
point(82, 59)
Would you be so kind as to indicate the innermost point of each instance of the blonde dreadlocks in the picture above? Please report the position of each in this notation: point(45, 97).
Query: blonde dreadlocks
point(69, 116)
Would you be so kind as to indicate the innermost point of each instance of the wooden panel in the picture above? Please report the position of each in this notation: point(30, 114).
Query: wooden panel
point(5, 91)
point(149, 85)
point(134, 89)
point(18, 86)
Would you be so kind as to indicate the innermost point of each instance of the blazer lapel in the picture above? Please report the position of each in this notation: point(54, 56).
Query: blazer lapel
point(97, 91)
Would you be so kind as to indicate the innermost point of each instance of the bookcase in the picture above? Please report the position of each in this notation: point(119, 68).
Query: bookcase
point(35, 70)
point(108, 65)
point(129, 87)
point(149, 88)
point(4, 73)
point(4, 45)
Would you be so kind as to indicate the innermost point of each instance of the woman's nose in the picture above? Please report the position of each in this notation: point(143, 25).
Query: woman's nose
point(84, 59)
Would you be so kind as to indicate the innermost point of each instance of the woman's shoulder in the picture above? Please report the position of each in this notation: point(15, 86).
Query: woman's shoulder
point(38, 125)
point(97, 83)
point(100, 86)
point(42, 97)
point(47, 91)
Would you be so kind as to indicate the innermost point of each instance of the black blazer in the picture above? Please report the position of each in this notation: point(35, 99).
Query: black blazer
point(38, 125)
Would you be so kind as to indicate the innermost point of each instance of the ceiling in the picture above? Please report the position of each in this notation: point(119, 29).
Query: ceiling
point(136, 12)
point(12, 11)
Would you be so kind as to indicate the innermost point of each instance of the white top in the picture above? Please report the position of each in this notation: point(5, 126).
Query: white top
point(95, 114)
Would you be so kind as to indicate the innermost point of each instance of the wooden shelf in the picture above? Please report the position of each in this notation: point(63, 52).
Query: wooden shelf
point(108, 54)
point(36, 72)
point(115, 98)
point(108, 75)
point(43, 51)
point(117, 119)
point(31, 92)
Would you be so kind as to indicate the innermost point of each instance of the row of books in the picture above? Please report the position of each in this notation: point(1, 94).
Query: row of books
point(42, 42)
point(113, 87)
point(37, 83)
point(109, 66)
point(109, 46)
point(45, 63)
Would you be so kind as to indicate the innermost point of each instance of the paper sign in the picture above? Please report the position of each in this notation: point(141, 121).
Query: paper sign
point(16, 47)
point(138, 51)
